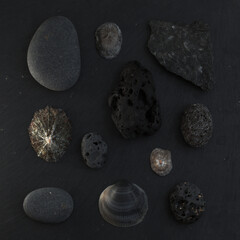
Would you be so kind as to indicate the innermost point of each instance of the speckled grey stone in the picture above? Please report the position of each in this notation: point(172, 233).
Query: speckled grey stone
point(184, 50)
point(94, 150)
point(197, 125)
point(108, 40)
point(54, 55)
point(48, 205)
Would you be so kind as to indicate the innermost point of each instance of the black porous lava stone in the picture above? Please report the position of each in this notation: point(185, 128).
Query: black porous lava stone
point(94, 150)
point(48, 205)
point(197, 125)
point(184, 49)
point(135, 109)
point(187, 202)
point(54, 54)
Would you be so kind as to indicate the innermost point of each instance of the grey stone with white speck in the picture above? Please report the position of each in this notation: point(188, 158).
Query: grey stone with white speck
point(108, 40)
point(48, 205)
point(94, 150)
point(54, 55)
point(184, 50)
point(161, 161)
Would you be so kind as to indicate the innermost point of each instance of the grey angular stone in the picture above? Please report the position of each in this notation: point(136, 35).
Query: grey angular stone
point(54, 55)
point(94, 150)
point(48, 205)
point(197, 125)
point(108, 40)
point(135, 109)
point(184, 50)
point(187, 202)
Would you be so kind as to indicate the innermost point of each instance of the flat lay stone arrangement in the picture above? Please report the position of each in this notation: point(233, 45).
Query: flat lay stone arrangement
point(54, 62)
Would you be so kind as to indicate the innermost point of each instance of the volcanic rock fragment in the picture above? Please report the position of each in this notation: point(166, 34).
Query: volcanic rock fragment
point(184, 50)
point(197, 125)
point(94, 150)
point(187, 202)
point(135, 109)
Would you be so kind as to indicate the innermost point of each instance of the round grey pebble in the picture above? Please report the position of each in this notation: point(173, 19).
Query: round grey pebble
point(108, 40)
point(94, 150)
point(197, 125)
point(54, 55)
point(48, 205)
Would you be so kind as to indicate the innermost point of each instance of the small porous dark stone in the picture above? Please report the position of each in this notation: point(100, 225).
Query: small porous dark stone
point(108, 40)
point(197, 125)
point(187, 202)
point(53, 55)
point(184, 50)
point(94, 150)
point(48, 205)
point(135, 109)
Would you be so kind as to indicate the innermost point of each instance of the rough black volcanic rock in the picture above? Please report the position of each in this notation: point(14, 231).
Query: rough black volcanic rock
point(197, 125)
point(135, 110)
point(94, 150)
point(53, 55)
point(184, 50)
point(48, 205)
point(108, 40)
point(187, 202)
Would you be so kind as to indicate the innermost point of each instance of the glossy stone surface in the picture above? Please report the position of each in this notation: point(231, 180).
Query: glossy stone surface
point(135, 108)
point(108, 40)
point(161, 162)
point(48, 205)
point(184, 50)
point(54, 55)
point(197, 125)
point(50, 133)
point(94, 150)
point(123, 204)
point(187, 202)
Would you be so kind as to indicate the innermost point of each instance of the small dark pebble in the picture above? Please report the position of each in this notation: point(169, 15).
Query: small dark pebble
point(197, 125)
point(48, 205)
point(184, 50)
point(187, 202)
point(94, 150)
point(54, 55)
point(135, 109)
point(108, 40)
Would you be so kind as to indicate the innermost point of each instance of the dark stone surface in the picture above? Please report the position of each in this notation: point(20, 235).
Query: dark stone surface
point(187, 202)
point(54, 55)
point(184, 50)
point(135, 109)
point(214, 168)
point(197, 125)
point(94, 150)
point(108, 40)
point(48, 205)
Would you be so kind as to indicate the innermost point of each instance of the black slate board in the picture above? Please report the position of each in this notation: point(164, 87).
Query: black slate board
point(214, 168)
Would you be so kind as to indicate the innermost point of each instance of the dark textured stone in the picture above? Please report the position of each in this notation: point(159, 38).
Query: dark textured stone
point(184, 50)
point(187, 202)
point(135, 110)
point(197, 125)
point(94, 150)
point(108, 40)
point(48, 205)
point(54, 55)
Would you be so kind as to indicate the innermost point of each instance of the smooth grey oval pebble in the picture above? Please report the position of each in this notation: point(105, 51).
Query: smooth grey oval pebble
point(54, 55)
point(48, 205)
point(108, 40)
